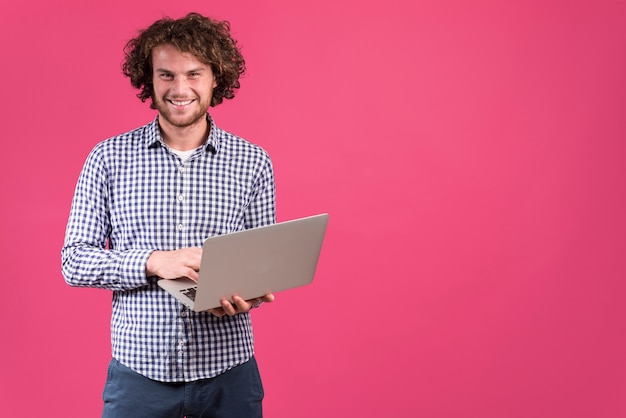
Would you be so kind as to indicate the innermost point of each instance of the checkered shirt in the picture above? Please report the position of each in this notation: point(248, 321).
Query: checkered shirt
point(135, 196)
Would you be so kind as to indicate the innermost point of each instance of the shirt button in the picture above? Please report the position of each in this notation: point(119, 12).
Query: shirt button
point(180, 227)
point(181, 168)
point(183, 314)
point(181, 197)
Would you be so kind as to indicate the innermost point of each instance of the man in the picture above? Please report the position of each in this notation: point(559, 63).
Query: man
point(144, 203)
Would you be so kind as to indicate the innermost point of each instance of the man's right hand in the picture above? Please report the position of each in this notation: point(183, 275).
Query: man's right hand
point(175, 264)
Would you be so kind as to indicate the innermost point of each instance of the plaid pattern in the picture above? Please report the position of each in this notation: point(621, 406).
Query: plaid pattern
point(134, 196)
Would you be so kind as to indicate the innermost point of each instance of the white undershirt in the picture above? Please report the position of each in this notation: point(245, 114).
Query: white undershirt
point(184, 155)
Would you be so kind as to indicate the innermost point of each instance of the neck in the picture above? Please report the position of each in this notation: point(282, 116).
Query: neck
point(186, 137)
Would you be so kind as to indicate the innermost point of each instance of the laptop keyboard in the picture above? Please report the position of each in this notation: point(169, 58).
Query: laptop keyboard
point(190, 293)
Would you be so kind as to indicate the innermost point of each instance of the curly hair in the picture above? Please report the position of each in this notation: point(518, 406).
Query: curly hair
point(207, 40)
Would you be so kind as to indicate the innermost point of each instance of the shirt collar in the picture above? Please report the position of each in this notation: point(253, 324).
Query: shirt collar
point(153, 136)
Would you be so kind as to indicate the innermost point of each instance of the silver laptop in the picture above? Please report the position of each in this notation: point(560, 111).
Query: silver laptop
point(253, 262)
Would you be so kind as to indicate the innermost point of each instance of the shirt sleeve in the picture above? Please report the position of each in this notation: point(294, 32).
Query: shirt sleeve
point(86, 260)
point(262, 208)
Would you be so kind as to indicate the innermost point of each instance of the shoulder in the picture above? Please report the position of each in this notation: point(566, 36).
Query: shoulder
point(109, 155)
point(143, 135)
point(127, 142)
point(238, 147)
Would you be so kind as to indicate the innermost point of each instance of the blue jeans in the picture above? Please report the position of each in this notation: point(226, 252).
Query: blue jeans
point(235, 393)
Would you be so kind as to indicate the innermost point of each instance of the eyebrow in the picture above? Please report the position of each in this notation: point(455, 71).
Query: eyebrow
point(193, 70)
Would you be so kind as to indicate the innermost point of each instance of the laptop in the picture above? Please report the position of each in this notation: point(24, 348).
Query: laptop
point(253, 262)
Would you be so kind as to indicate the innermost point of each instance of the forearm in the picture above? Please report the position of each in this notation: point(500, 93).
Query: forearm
point(87, 266)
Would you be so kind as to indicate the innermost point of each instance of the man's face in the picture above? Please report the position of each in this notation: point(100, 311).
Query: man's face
point(183, 86)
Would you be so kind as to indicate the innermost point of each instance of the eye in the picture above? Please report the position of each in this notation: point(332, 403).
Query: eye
point(165, 76)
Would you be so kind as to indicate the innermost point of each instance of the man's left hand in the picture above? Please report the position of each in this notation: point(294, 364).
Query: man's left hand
point(240, 305)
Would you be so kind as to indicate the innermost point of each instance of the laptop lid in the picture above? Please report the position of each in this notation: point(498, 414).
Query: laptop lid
point(254, 262)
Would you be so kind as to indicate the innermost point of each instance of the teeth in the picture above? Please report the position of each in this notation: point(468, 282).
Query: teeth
point(179, 103)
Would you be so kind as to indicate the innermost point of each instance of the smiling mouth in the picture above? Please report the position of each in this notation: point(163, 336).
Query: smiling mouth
point(180, 102)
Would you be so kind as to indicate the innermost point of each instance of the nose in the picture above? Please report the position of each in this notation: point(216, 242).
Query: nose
point(179, 86)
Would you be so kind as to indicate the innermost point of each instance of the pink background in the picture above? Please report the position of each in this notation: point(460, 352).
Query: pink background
point(470, 156)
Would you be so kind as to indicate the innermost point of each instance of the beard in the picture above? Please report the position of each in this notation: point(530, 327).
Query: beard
point(179, 120)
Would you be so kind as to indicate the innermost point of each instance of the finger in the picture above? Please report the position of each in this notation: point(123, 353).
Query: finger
point(193, 275)
point(228, 307)
point(268, 298)
point(219, 312)
point(241, 304)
